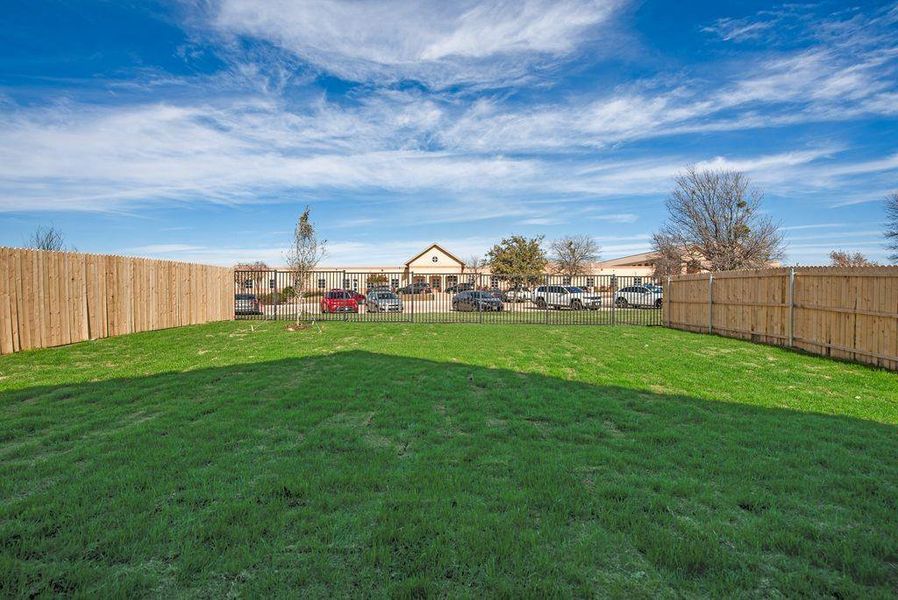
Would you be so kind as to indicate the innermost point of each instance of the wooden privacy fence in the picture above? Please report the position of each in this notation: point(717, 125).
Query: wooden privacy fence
point(54, 298)
point(848, 313)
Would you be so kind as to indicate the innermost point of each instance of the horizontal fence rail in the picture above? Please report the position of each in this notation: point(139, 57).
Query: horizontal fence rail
point(846, 313)
point(447, 298)
point(55, 298)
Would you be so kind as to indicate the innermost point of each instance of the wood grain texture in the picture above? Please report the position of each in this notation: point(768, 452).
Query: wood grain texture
point(55, 298)
point(845, 313)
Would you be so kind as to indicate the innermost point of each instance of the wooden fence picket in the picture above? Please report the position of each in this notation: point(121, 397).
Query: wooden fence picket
point(55, 298)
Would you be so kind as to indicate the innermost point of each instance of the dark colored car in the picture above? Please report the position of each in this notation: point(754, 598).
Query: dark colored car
point(476, 301)
point(420, 287)
point(459, 287)
point(339, 301)
point(246, 304)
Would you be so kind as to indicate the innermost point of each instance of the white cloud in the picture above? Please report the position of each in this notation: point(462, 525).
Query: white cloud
point(441, 43)
point(74, 157)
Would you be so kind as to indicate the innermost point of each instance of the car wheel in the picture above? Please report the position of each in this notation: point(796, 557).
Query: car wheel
point(658, 303)
point(576, 305)
point(540, 303)
point(621, 302)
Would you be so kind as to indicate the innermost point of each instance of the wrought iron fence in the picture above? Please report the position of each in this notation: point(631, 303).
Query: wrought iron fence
point(448, 298)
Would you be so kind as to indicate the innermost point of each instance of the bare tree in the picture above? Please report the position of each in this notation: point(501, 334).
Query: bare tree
point(892, 225)
point(715, 217)
point(572, 254)
point(304, 254)
point(839, 258)
point(475, 264)
point(47, 238)
point(254, 274)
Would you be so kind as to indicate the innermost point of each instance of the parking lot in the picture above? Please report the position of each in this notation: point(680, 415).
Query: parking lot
point(608, 300)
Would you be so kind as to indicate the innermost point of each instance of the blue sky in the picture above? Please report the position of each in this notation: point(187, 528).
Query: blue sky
point(198, 130)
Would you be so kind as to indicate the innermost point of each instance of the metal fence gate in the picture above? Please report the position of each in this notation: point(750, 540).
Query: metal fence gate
point(413, 297)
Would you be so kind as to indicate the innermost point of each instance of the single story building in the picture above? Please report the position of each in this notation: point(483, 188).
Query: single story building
point(441, 269)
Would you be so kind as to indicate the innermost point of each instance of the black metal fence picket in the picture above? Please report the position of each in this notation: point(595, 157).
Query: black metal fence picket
point(447, 297)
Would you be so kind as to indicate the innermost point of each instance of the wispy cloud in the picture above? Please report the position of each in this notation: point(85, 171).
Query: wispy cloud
point(440, 43)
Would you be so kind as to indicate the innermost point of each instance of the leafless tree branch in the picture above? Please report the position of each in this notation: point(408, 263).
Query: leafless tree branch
point(47, 238)
point(572, 254)
point(715, 218)
point(891, 232)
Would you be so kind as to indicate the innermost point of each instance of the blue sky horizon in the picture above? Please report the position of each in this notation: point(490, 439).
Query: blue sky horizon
point(198, 130)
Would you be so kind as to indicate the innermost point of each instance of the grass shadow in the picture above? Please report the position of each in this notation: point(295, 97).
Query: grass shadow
point(359, 473)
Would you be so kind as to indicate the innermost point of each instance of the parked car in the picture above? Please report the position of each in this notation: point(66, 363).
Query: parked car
point(383, 302)
point(246, 304)
point(565, 296)
point(518, 294)
point(359, 298)
point(459, 287)
point(639, 295)
point(339, 301)
point(420, 287)
point(473, 300)
point(378, 287)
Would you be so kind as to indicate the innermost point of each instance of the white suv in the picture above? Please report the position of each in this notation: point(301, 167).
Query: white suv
point(567, 296)
point(639, 295)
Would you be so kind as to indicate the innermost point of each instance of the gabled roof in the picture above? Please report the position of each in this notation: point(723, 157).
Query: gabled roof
point(431, 247)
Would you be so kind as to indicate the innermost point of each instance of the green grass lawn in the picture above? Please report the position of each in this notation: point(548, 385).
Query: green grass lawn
point(461, 460)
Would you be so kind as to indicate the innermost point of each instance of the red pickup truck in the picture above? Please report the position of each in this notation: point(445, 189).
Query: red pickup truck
point(337, 301)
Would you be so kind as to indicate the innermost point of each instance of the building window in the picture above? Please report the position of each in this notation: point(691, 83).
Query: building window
point(345, 284)
point(248, 284)
point(471, 278)
point(566, 280)
point(637, 281)
point(322, 284)
point(394, 282)
point(590, 282)
point(494, 281)
point(272, 284)
point(355, 285)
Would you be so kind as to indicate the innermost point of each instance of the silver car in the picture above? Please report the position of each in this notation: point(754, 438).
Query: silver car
point(380, 301)
point(648, 295)
point(246, 304)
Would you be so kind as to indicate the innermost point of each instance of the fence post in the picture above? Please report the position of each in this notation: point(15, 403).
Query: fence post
point(666, 303)
point(710, 302)
point(791, 323)
point(480, 306)
point(276, 295)
point(612, 285)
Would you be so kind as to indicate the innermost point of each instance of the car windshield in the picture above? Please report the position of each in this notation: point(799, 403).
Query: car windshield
point(335, 295)
point(245, 297)
point(481, 295)
point(386, 296)
point(575, 290)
